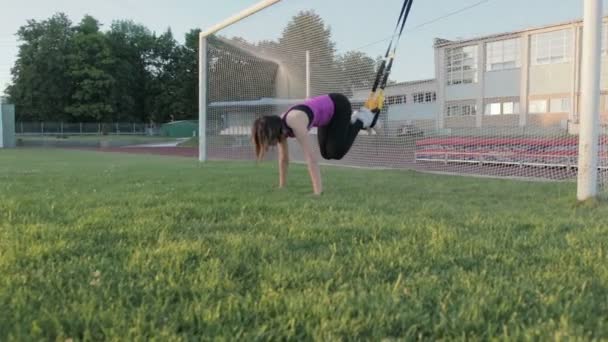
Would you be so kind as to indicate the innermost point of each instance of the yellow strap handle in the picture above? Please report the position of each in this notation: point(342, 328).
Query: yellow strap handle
point(375, 102)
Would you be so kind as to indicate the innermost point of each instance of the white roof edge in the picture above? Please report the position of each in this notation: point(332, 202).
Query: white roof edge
point(442, 42)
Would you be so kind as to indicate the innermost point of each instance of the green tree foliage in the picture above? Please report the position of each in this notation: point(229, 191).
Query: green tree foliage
point(234, 66)
point(186, 104)
point(131, 45)
point(307, 32)
point(89, 64)
point(358, 71)
point(41, 87)
point(128, 73)
point(162, 88)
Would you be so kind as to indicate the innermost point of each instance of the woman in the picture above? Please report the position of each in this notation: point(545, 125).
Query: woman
point(337, 128)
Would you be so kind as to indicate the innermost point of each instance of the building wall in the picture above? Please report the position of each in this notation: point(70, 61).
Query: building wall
point(530, 80)
point(548, 120)
point(551, 79)
point(460, 122)
point(461, 92)
point(604, 74)
point(506, 120)
point(504, 83)
point(413, 111)
point(7, 126)
point(410, 111)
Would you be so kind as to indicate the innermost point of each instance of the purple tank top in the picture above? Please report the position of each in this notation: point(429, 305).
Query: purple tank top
point(322, 108)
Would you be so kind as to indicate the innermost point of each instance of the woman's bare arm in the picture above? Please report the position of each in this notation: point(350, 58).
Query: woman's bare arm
point(298, 122)
point(283, 162)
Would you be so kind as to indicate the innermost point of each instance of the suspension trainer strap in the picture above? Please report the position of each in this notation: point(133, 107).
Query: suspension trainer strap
point(375, 101)
point(392, 57)
point(388, 50)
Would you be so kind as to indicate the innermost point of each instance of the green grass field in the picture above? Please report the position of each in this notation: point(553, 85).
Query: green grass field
point(100, 246)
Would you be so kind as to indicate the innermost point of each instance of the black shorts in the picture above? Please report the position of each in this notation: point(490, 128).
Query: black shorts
point(337, 137)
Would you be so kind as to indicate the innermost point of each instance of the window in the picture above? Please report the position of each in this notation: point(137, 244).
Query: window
point(397, 99)
point(452, 110)
point(551, 105)
point(502, 106)
point(510, 107)
point(469, 110)
point(552, 47)
point(461, 65)
point(493, 108)
point(503, 54)
point(460, 109)
point(538, 106)
point(559, 105)
point(424, 97)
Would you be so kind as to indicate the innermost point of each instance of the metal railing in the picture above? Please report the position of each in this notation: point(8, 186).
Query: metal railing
point(84, 128)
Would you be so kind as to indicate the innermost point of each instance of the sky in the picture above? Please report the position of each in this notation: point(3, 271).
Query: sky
point(355, 24)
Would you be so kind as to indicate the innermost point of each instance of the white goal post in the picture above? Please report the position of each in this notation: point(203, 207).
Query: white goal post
point(587, 186)
point(202, 69)
point(528, 104)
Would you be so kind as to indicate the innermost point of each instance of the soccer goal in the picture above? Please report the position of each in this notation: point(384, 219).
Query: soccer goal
point(504, 105)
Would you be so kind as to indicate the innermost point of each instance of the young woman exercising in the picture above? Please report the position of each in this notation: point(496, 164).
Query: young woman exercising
point(337, 128)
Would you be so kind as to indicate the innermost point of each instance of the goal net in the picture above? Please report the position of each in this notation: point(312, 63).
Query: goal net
point(504, 104)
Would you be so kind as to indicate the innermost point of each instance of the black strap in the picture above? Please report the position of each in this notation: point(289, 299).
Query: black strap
point(384, 69)
point(388, 49)
point(390, 63)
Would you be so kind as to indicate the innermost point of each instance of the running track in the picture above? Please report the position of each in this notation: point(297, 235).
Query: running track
point(384, 157)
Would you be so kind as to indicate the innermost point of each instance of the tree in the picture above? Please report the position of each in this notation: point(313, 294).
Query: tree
point(187, 76)
point(161, 90)
point(89, 64)
point(131, 45)
point(41, 84)
point(128, 73)
point(307, 32)
point(237, 73)
point(358, 70)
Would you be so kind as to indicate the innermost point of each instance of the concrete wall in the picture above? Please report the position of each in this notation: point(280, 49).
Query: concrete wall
point(460, 122)
point(461, 91)
point(7, 126)
point(413, 111)
point(550, 79)
point(505, 120)
point(504, 83)
point(548, 120)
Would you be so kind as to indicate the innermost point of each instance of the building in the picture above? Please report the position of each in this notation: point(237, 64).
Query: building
point(528, 78)
point(409, 102)
point(523, 78)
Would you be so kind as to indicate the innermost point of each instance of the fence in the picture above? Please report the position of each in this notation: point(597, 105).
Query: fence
point(84, 128)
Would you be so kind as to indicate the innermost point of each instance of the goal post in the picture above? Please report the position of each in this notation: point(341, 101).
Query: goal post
point(203, 63)
point(524, 104)
point(587, 186)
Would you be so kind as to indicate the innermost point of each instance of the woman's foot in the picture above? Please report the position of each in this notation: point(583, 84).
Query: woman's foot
point(365, 116)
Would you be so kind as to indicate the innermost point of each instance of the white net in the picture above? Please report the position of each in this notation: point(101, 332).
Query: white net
point(500, 105)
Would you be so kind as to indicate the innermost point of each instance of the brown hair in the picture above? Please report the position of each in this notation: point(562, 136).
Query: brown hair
point(266, 131)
